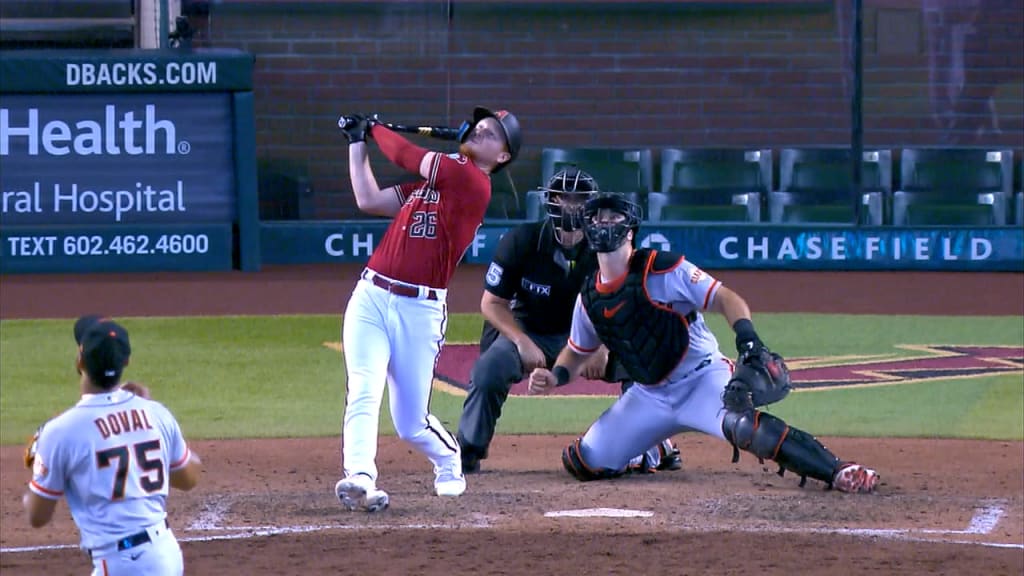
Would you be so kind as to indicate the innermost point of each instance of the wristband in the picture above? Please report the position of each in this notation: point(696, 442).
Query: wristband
point(745, 333)
point(561, 375)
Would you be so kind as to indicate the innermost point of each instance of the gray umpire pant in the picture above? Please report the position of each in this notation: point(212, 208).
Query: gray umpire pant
point(493, 374)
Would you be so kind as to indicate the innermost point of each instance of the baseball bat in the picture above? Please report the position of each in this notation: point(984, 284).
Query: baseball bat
point(439, 132)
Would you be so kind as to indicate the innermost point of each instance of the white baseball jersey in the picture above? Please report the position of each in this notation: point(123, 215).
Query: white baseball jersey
point(689, 398)
point(686, 288)
point(110, 456)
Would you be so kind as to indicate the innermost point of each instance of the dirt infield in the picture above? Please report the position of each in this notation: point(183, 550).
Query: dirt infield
point(320, 289)
point(267, 507)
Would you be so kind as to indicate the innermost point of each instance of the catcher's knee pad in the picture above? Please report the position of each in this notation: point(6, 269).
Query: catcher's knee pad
point(756, 432)
point(572, 460)
point(768, 437)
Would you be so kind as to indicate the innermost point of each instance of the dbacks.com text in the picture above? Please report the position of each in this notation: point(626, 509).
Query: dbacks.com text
point(140, 73)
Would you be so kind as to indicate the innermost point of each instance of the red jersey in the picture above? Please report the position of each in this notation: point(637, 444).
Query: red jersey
point(436, 224)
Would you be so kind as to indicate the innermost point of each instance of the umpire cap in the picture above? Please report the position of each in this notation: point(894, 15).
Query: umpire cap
point(104, 347)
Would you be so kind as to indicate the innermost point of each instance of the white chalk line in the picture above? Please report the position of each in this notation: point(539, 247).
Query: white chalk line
point(247, 532)
point(983, 522)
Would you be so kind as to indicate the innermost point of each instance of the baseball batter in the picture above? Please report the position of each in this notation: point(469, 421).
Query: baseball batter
point(647, 307)
point(113, 456)
point(394, 325)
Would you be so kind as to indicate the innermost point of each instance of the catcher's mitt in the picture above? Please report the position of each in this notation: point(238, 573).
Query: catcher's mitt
point(761, 377)
point(31, 447)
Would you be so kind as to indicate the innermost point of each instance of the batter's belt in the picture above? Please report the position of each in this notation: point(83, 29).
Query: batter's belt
point(399, 288)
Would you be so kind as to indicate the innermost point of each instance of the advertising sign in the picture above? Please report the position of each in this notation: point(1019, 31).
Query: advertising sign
point(710, 246)
point(94, 159)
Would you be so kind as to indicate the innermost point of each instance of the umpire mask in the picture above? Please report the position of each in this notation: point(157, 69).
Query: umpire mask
point(608, 234)
point(564, 197)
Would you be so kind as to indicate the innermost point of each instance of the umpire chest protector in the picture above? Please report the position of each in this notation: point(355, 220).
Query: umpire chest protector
point(647, 337)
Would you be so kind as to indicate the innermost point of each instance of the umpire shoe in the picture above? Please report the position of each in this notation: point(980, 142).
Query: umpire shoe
point(470, 464)
point(448, 478)
point(359, 492)
point(852, 477)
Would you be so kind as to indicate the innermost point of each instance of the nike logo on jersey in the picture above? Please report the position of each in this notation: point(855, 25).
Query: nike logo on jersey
point(136, 556)
point(611, 312)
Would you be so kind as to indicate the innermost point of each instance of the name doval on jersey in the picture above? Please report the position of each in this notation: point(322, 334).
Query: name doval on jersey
point(122, 422)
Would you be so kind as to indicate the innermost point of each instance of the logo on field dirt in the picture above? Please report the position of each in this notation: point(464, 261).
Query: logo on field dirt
point(909, 364)
point(930, 363)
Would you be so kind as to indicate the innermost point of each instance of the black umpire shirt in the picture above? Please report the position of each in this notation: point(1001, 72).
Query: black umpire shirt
point(531, 270)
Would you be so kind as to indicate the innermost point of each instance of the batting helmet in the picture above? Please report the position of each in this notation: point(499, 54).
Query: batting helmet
point(565, 195)
point(509, 125)
point(607, 236)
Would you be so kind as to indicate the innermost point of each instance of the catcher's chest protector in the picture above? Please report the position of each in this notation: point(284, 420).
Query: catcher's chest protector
point(649, 339)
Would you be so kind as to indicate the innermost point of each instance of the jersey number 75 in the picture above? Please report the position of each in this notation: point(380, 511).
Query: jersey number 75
point(151, 477)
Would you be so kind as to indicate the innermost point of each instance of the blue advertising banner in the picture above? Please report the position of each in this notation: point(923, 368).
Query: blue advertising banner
point(710, 246)
point(95, 159)
point(152, 247)
point(49, 71)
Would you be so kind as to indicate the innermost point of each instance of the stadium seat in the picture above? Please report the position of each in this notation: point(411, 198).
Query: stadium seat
point(717, 184)
point(67, 23)
point(953, 186)
point(815, 184)
point(629, 171)
point(1020, 192)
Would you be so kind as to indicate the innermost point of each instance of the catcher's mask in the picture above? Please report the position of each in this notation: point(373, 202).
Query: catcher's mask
point(564, 196)
point(607, 234)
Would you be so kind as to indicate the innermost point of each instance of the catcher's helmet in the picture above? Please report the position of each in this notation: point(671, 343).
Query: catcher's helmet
point(564, 196)
point(509, 125)
point(607, 236)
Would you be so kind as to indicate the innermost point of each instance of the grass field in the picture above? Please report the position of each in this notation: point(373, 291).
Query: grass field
point(272, 376)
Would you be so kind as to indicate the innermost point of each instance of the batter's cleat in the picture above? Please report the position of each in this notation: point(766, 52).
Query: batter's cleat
point(853, 477)
point(358, 492)
point(449, 480)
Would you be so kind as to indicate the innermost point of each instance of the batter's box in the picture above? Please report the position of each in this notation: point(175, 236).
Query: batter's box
point(316, 508)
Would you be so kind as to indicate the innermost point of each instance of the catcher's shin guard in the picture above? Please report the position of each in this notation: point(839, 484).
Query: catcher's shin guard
point(574, 464)
point(766, 436)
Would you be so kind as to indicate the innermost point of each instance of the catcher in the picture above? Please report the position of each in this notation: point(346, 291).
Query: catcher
point(646, 307)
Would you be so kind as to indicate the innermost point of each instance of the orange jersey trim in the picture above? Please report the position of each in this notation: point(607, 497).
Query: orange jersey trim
point(184, 459)
point(577, 348)
point(45, 491)
point(612, 286)
point(707, 297)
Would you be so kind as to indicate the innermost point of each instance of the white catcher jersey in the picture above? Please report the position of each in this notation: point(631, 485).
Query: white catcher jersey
point(685, 288)
point(110, 456)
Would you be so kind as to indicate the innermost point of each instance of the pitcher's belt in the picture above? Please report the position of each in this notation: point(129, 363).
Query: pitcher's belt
point(125, 543)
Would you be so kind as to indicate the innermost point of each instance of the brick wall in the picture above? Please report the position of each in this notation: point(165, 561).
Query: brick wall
point(640, 76)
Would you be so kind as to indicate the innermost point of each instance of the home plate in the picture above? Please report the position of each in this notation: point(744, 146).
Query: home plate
point(599, 513)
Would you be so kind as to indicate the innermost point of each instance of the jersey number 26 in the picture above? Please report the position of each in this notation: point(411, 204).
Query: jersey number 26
point(424, 225)
point(151, 477)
